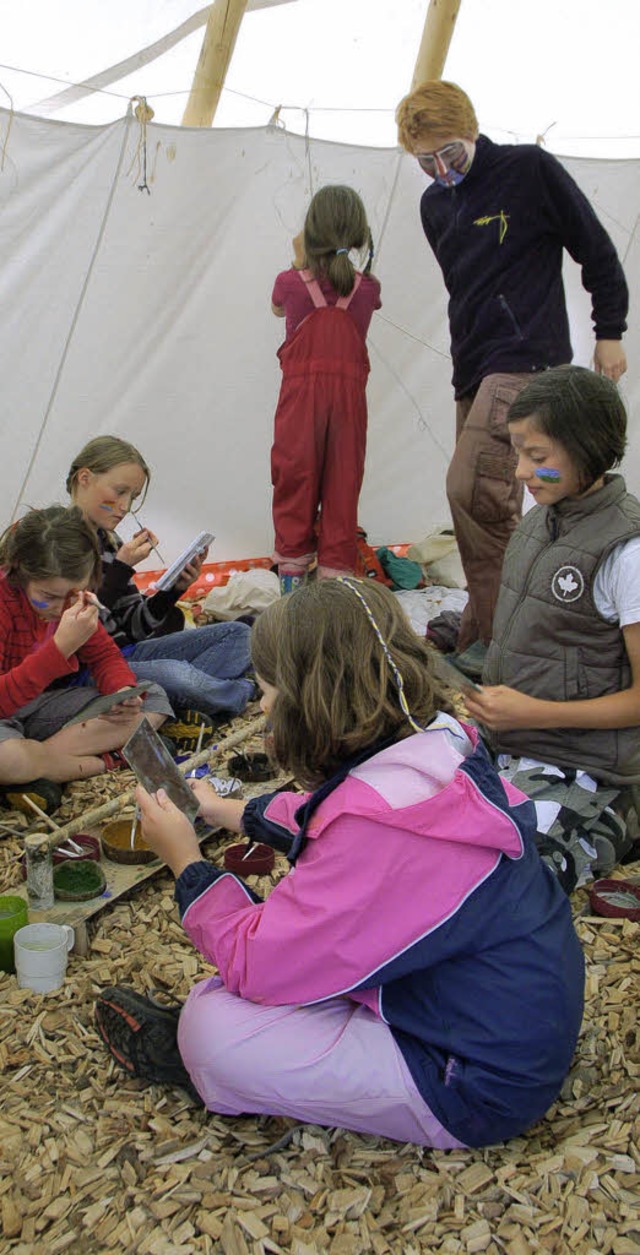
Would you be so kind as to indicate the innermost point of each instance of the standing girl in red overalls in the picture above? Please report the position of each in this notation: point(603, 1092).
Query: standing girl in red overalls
point(317, 458)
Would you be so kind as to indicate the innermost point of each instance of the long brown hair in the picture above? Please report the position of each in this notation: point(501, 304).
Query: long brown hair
point(337, 692)
point(55, 543)
point(335, 223)
point(102, 454)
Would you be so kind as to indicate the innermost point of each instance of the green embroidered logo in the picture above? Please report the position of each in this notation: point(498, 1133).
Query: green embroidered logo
point(502, 218)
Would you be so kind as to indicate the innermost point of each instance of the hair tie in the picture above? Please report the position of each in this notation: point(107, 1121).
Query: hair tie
point(341, 250)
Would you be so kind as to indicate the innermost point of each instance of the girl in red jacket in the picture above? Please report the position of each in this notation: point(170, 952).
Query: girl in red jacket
point(49, 631)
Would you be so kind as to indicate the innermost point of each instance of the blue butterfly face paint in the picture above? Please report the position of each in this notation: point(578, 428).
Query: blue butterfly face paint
point(548, 474)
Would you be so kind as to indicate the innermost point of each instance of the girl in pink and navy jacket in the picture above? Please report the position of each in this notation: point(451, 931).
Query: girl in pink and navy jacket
point(416, 975)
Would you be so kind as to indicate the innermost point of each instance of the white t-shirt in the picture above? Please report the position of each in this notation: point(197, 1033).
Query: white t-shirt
point(616, 588)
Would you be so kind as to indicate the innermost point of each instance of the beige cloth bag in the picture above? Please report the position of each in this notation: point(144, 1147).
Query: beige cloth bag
point(439, 557)
point(247, 592)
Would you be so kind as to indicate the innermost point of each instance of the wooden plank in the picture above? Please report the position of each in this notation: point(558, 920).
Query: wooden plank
point(123, 877)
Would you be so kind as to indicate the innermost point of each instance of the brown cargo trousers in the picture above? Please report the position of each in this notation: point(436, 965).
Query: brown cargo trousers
point(484, 497)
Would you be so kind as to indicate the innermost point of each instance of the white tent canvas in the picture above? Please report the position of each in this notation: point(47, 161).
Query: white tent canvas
point(148, 315)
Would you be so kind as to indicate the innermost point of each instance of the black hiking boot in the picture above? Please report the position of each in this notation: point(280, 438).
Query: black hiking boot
point(142, 1035)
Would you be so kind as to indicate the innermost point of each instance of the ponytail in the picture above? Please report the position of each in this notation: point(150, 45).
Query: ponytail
point(336, 224)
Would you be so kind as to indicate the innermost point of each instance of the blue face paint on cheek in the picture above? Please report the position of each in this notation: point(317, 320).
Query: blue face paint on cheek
point(39, 605)
point(548, 474)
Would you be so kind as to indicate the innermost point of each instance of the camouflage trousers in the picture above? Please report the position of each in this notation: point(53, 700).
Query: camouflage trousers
point(581, 829)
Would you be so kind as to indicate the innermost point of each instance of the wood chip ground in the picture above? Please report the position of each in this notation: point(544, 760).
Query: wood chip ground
point(92, 1163)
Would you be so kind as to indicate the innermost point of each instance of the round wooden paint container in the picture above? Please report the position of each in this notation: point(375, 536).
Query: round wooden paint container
point(116, 843)
point(67, 885)
point(259, 863)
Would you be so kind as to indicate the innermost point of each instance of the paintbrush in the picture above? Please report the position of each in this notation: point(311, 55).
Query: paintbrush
point(76, 849)
point(146, 529)
point(110, 509)
point(134, 824)
point(51, 823)
point(36, 809)
point(94, 600)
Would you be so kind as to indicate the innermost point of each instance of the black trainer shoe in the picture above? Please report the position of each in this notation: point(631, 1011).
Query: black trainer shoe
point(142, 1035)
point(44, 793)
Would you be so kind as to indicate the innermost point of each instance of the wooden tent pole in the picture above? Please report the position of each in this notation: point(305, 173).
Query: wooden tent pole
point(436, 37)
point(218, 43)
point(95, 816)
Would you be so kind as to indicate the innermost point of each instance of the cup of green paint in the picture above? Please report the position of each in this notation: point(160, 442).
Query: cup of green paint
point(13, 915)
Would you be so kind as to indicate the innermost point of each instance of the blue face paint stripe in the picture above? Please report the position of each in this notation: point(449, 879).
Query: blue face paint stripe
point(548, 474)
point(40, 605)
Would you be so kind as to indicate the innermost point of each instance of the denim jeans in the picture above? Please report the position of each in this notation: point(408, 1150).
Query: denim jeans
point(202, 668)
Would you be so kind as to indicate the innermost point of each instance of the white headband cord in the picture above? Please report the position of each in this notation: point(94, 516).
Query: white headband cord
point(352, 584)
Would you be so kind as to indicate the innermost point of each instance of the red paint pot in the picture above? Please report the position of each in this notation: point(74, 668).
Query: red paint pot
point(259, 863)
point(90, 849)
point(618, 899)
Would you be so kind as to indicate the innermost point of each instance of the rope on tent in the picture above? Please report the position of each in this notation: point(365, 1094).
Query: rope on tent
point(307, 149)
point(144, 114)
point(541, 138)
point(423, 421)
point(9, 124)
point(274, 120)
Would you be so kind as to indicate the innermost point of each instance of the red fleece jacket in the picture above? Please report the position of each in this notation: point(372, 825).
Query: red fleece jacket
point(30, 660)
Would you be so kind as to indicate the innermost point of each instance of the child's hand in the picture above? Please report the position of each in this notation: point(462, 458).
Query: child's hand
point(123, 712)
point(500, 708)
point(167, 831)
point(138, 548)
point(78, 622)
point(220, 812)
point(191, 572)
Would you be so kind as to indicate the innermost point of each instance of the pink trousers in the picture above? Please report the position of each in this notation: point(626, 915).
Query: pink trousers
point(332, 1064)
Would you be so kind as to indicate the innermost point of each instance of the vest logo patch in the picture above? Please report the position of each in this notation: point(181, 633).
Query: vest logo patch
point(567, 584)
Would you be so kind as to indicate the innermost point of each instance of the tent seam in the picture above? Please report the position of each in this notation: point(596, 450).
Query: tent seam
point(76, 315)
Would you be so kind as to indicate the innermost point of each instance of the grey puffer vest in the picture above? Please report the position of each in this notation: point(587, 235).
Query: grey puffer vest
point(549, 639)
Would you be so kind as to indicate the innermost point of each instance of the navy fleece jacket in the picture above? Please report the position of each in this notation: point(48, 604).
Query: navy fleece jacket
point(499, 238)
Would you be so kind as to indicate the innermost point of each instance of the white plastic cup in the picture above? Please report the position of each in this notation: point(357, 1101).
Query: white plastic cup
point(41, 952)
